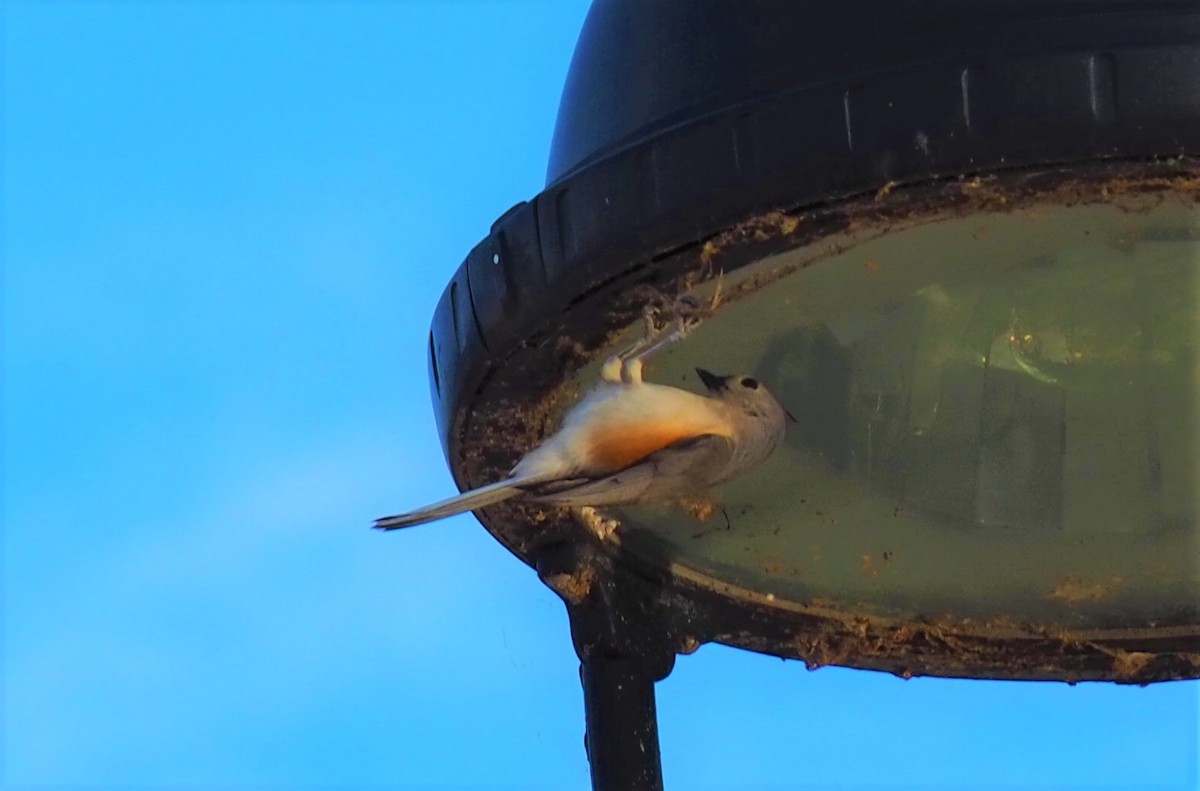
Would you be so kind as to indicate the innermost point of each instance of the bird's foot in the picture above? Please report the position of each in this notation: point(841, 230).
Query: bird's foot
point(626, 366)
point(686, 310)
point(665, 321)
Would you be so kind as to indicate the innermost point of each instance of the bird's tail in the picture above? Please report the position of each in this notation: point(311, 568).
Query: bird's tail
point(467, 501)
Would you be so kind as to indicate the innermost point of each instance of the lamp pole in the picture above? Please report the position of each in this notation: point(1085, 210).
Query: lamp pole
point(622, 726)
point(626, 635)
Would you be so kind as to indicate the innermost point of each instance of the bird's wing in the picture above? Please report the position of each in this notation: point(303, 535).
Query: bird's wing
point(679, 468)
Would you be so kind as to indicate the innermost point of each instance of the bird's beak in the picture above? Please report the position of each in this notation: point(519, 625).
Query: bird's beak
point(713, 382)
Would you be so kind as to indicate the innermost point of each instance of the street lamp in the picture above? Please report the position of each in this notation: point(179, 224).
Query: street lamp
point(961, 242)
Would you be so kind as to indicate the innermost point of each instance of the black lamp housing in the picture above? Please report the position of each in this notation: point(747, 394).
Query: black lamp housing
point(702, 136)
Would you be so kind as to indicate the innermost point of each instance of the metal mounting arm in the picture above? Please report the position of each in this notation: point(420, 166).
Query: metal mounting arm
point(624, 646)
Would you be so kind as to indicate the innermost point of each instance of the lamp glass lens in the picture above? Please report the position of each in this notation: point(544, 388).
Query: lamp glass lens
point(997, 417)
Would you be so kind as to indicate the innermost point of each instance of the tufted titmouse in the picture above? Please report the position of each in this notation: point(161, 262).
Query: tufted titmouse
point(631, 441)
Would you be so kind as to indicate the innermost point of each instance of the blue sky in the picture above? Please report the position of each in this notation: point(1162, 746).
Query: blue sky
point(225, 228)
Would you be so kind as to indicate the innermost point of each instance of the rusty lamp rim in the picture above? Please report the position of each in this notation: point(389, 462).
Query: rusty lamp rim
point(696, 607)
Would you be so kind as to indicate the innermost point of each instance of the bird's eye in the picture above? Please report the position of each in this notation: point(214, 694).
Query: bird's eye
point(749, 382)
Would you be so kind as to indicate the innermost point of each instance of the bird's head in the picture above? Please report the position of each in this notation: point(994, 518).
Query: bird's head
point(744, 392)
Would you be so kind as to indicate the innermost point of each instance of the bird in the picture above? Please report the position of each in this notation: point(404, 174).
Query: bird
point(631, 441)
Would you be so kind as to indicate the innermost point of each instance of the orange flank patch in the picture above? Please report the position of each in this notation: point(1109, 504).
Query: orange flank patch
point(616, 449)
